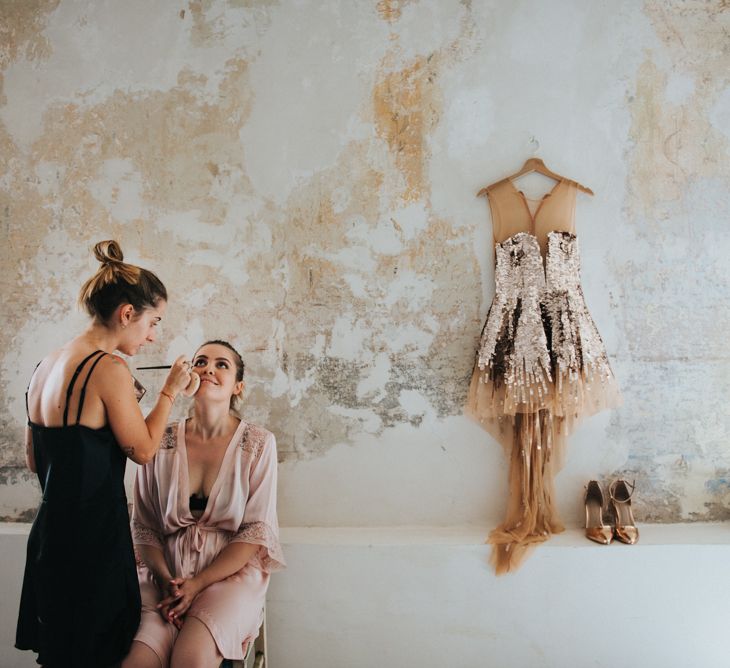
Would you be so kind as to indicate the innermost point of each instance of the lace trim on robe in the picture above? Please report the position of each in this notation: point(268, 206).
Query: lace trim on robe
point(253, 440)
point(169, 437)
point(270, 556)
point(143, 535)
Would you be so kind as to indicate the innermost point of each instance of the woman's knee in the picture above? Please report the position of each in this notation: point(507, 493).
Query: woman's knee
point(195, 647)
point(142, 656)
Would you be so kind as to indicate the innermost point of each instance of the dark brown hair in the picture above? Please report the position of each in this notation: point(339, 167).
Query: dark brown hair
point(117, 283)
point(236, 399)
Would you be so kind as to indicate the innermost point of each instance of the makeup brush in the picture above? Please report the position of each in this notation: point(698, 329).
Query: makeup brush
point(190, 390)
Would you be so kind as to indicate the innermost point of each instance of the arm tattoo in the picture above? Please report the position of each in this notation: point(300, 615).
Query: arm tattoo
point(128, 451)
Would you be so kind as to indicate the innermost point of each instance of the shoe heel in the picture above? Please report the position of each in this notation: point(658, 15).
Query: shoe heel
point(625, 529)
point(596, 530)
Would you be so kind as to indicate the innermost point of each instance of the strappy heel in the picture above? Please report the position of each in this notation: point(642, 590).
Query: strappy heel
point(596, 530)
point(625, 529)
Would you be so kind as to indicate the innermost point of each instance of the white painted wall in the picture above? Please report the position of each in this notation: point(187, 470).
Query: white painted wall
point(423, 597)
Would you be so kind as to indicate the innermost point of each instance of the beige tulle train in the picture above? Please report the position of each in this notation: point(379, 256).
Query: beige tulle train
point(534, 442)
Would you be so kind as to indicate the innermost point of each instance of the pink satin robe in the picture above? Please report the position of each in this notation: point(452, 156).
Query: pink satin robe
point(241, 508)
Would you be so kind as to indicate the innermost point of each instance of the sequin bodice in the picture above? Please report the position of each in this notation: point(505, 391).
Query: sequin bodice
point(539, 331)
point(562, 263)
point(520, 268)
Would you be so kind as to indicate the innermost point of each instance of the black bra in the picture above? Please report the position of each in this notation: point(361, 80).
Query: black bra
point(198, 502)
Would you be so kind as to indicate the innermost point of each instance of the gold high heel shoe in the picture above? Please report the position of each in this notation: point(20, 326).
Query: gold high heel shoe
point(625, 529)
point(595, 528)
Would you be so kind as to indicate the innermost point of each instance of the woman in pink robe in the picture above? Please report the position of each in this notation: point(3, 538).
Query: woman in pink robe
point(205, 527)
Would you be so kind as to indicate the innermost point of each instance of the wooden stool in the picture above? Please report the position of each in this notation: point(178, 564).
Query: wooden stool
point(256, 651)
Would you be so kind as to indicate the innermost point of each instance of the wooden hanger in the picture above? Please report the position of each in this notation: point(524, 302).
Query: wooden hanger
point(534, 165)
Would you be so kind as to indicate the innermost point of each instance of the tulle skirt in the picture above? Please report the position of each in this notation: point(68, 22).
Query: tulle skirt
point(531, 415)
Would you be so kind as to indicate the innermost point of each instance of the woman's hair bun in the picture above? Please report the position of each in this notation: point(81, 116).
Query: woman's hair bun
point(108, 251)
point(117, 282)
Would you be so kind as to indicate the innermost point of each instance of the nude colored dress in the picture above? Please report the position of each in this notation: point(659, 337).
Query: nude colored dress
point(541, 363)
point(241, 508)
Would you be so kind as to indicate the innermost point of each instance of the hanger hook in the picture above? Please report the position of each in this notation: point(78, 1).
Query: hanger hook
point(535, 144)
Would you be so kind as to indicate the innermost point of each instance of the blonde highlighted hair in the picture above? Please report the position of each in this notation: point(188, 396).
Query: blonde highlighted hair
point(118, 283)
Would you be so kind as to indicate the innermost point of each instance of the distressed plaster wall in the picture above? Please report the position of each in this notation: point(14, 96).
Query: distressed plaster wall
point(302, 174)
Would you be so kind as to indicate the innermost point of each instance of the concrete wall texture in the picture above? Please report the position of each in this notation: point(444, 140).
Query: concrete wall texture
point(302, 176)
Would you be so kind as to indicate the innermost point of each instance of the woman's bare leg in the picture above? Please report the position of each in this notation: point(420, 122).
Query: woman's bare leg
point(141, 656)
point(195, 647)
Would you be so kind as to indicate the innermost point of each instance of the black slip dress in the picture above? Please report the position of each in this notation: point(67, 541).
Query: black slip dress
point(80, 602)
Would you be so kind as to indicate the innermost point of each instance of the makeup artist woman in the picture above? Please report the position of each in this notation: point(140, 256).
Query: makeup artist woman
point(80, 604)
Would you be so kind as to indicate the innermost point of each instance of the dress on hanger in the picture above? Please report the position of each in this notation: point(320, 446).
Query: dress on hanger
point(541, 363)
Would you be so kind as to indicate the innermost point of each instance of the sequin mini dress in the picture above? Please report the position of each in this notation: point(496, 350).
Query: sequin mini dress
point(541, 364)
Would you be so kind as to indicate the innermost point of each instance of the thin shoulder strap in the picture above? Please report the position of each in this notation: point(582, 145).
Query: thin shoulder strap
point(496, 218)
point(501, 208)
point(575, 186)
point(27, 410)
point(83, 387)
point(72, 383)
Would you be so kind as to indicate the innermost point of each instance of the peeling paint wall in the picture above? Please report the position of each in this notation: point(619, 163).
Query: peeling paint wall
point(674, 284)
point(301, 175)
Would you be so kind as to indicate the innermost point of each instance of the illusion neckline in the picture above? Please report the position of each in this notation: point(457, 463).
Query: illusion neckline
point(549, 193)
point(542, 200)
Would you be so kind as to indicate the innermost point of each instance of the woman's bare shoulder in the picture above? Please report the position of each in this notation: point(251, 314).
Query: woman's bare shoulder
point(113, 369)
point(60, 364)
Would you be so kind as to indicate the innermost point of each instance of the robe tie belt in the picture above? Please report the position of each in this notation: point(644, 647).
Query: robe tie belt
point(191, 543)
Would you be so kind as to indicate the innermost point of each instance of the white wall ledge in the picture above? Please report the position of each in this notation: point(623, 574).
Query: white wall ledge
point(690, 533)
point(705, 533)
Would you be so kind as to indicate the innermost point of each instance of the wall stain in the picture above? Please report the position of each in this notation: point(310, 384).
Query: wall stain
point(253, 4)
point(675, 144)
point(391, 10)
point(407, 107)
point(21, 30)
point(319, 296)
point(203, 30)
point(209, 28)
point(669, 299)
point(13, 476)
